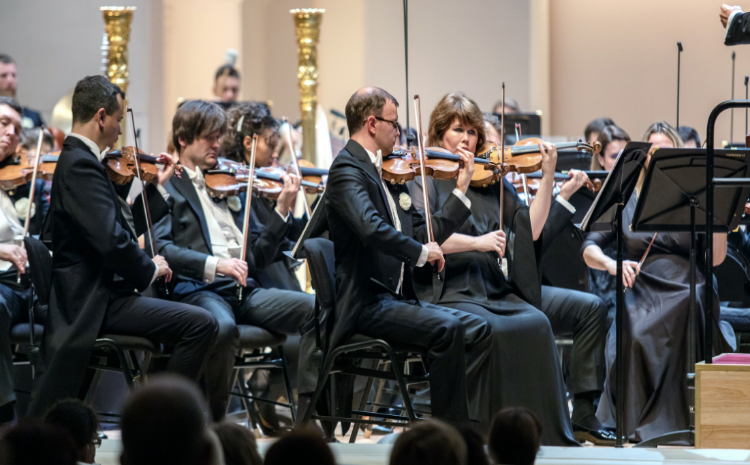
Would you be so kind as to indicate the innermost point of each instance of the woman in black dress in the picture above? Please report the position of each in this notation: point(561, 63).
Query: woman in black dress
point(524, 368)
point(655, 320)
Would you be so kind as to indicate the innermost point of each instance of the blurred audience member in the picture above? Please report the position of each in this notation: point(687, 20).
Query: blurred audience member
point(227, 85)
point(591, 133)
point(511, 107)
point(429, 443)
point(514, 437)
point(300, 447)
point(690, 137)
point(8, 83)
point(475, 454)
point(164, 423)
point(238, 444)
point(80, 422)
point(36, 444)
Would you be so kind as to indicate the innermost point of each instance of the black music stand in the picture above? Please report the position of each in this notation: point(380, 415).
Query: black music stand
point(673, 189)
point(606, 213)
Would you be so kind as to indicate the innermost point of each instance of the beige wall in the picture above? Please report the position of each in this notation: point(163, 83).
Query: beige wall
point(618, 58)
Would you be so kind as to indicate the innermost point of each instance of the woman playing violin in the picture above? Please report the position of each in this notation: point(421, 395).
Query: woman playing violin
point(474, 280)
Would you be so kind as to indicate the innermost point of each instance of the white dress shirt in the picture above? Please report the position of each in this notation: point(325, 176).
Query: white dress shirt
point(11, 231)
point(377, 160)
point(566, 204)
point(731, 17)
point(100, 155)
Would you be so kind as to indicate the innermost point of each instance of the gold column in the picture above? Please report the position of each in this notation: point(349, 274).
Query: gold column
point(117, 21)
point(307, 30)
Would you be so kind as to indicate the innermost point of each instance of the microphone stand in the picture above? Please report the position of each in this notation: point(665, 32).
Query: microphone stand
point(679, 52)
point(747, 78)
point(731, 115)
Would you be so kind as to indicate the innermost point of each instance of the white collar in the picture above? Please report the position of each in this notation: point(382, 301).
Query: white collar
point(90, 144)
point(376, 160)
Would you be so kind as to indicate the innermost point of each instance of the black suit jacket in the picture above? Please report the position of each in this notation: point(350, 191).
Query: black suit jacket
point(738, 32)
point(91, 243)
point(184, 241)
point(369, 250)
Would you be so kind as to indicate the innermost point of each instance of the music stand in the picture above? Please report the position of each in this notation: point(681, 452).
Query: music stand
point(606, 213)
point(673, 189)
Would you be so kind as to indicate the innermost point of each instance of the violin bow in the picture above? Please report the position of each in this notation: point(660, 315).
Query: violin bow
point(246, 220)
point(295, 164)
point(648, 249)
point(420, 145)
point(33, 189)
point(502, 163)
point(524, 180)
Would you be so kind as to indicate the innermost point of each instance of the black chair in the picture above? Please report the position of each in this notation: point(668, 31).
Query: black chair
point(253, 356)
point(346, 359)
point(733, 278)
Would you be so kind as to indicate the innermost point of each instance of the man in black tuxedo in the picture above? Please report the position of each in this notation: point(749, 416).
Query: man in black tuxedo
point(201, 240)
point(97, 262)
point(14, 296)
point(378, 237)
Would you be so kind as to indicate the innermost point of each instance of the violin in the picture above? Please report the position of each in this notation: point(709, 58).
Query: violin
point(19, 172)
point(594, 184)
point(231, 177)
point(121, 165)
point(310, 173)
point(522, 157)
point(403, 164)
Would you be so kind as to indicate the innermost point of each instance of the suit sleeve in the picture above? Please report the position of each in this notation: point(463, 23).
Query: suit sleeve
point(346, 195)
point(88, 199)
point(557, 219)
point(738, 32)
point(156, 205)
point(265, 244)
point(444, 222)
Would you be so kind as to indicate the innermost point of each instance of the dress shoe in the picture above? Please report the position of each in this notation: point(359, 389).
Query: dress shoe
point(600, 437)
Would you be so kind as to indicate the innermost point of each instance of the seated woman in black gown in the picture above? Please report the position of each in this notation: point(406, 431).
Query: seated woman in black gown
point(656, 310)
point(524, 368)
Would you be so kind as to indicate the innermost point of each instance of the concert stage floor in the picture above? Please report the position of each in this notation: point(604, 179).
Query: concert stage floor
point(377, 454)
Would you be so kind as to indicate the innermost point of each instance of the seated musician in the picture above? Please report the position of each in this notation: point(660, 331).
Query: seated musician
point(690, 137)
point(613, 140)
point(14, 296)
point(97, 262)
point(474, 280)
point(202, 241)
point(594, 128)
point(656, 309)
point(27, 151)
point(227, 86)
point(379, 239)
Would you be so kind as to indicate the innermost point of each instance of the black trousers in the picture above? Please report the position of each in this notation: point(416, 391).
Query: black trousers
point(14, 310)
point(277, 310)
point(583, 317)
point(457, 346)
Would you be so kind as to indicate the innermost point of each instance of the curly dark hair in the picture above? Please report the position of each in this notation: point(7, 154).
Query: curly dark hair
point(246, 119)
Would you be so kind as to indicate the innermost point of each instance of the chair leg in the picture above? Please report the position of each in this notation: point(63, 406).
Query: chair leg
point(362, 406)
point(288, 383)
point(402, 385)
point(249, 408)
point(235, 374)
point(378, 397)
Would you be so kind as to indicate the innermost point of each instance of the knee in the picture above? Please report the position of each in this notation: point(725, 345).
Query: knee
point(226, 335)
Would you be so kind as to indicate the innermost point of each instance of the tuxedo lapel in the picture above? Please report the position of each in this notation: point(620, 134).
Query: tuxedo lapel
point(361, 155)
point(185, 186)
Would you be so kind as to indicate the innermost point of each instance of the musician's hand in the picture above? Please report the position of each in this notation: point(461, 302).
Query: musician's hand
point(166, 171)
point(494, 241)
point(288, 195)
point(727, 10)
point(234, 268)
point(435, 255)
point(571, 186)
point(163, 266)
point(549, 158)
point(630, 270)
point(14, 254)
point(466, 171)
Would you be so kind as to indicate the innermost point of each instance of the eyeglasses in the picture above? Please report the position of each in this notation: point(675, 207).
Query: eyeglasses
point(392, 123)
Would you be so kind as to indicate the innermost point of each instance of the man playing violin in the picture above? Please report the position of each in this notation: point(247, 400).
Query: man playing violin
point(201, 239)
point(97, 262)
point(378, 238)
point(13, 295)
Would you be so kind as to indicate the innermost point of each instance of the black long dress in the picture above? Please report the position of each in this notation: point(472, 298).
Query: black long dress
point(655, 333)
point(524, 368)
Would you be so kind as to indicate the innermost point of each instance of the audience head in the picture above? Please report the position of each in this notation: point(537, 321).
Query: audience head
point(475, 454)
point(514, 438)
point(591, 133)
point(613, 140)
point(511, 107)
point(238, 444)
point(8, 76)
point(10, 126)
point(372, 119)
point(690, 137)
point(33, 443)
point(456, 122)
point(429, 443)
point(245, 120)
point(300, 447)
point(661, 136)
point(492, 127)
point(197, 127)
point(80, 422)
point(227, 84)
point(97, 110)
point(164, 423)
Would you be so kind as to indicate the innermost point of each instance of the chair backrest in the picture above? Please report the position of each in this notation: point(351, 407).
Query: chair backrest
point(733, 277)
point(322, 263)
point(40, 267)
